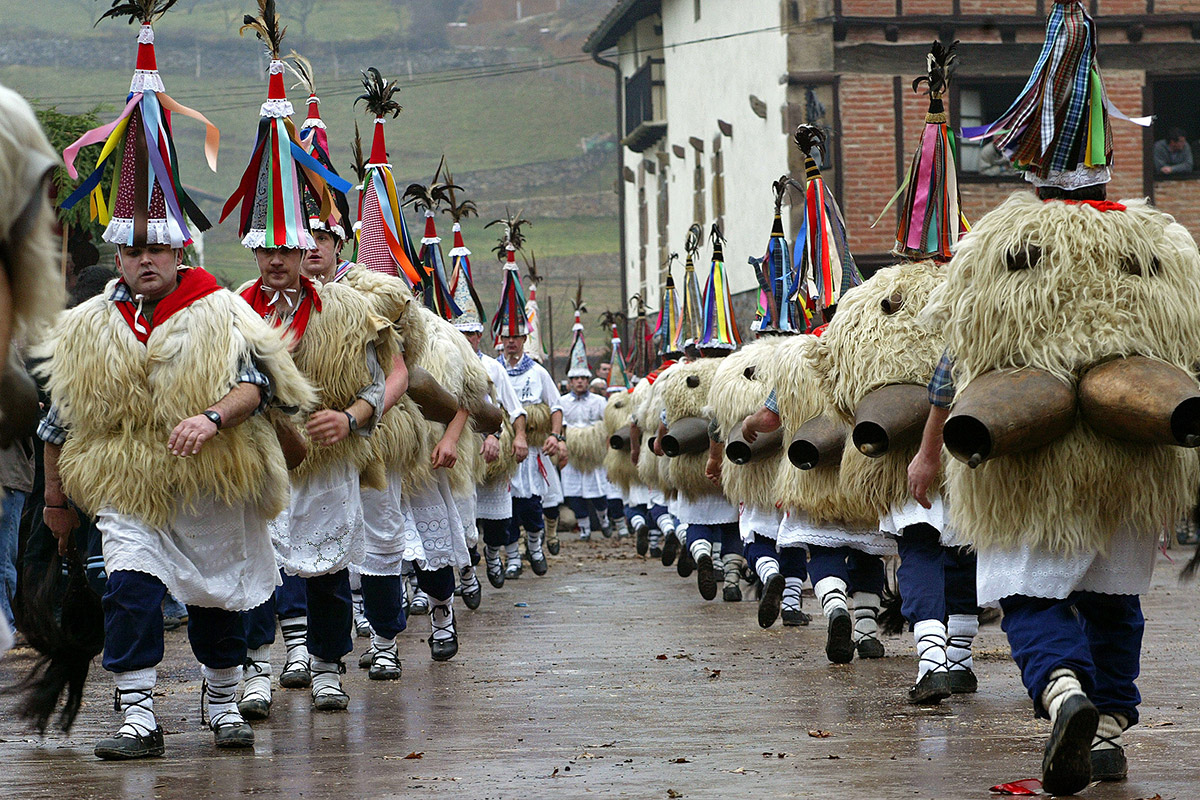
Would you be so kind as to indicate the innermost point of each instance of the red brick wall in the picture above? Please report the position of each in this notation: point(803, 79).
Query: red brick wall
point(1109, 7)
point(868, 159)
point(1125, 90)
point(1182, 200)
point(998, 7)
point(869, 8)
point(928, 7)
point(1176, 6)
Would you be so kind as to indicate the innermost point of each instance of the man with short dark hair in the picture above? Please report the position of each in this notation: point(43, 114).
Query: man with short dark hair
point(1173, 155)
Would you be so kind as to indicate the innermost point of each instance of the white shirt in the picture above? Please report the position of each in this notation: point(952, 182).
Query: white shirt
point(535, 386)
point(504, 388)
point(580, 411)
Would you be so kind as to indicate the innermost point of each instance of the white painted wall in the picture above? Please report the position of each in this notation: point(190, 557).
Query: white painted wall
point(707, 81)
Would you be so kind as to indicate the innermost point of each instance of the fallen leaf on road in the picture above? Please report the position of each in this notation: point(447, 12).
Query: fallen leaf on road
point(767, 755)
point(781, 755)
point(713, 674)
point(680, 761)
point(820, 734)
point(555, 773)
point(415, 754)
point(683, 655)
point(738, 771)
point(673, 793)
point(1026, 787)
point(586, 754)
point(1156, 797)
point(661, 657)
point(833, 757)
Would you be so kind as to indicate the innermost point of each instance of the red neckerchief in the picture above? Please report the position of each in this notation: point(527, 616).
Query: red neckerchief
point(256, 296)
point(1099, 205)
point(820, 329)
point(194, 283)
point(653, 376)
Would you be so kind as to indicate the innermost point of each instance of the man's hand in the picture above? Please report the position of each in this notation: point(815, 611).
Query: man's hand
point(328, 427)
point(550, 446)
point(922, 471)
point(62, 522)
point(445, 454)
point(635, 454)
point(190, 435)
point(1166, 170)
point(762, 421)
point(712, 470)
point(490, 449)
point(520, 447)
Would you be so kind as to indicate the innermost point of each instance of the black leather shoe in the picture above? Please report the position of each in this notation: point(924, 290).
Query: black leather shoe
point(772, 596)
point(839, 649)
point(364, 661)
point(234, 736)
point(930, 690)
point(472, 597)
point(552, 547)
point(1067, 763)
point(706, 578)
point(1109, 764)
point(125, 747)
point(385, 666)
point(443, 649)
point(538, 564)
point(731, 593)
point(794, 618)
point(670, 549)
point(686, 564)
point(255, 708)
point(869, 647)
point(642, 539)
point(963, 681)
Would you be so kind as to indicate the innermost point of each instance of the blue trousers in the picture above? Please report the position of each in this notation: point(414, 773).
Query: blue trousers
point(792, 562)
point(330, 616)
point(642, 511)
point(289, 601)
point(586, 508)
point(133, 626)
point(655, 513)
point(438, 584)
point(527, 514)
point(727, 533)
point(383, 604)
point(1097, 636)
point(495, 531)
point(616, 508)
point(10, 525)
point(862, 572)
point(935, 581)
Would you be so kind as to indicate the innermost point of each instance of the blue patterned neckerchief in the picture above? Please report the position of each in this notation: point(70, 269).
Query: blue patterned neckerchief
point(524, 365)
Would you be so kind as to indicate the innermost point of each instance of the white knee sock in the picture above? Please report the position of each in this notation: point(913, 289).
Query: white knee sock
point(258, 674)
point(637, 520)
point(766, 567)
point(135, 696)
point(866, 615)
point(1108, 732)
point(512, 553)
point(326, 677)
point(930, 635)
point(1063, 684)
point(701, 547)
point(534, 545)
point(295, 639)
point(793, 590)
point(441, 617)
point(665, 524)
point(380, 643)
point(831, 593)
point(221, 693)
point(732, 564)
point(961, 630)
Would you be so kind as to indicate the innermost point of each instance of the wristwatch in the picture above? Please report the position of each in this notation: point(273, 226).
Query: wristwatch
point(353, 421)
point(560, 436)
point(213, 417)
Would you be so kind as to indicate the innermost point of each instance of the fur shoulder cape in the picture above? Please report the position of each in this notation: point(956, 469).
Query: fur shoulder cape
point(121, 400)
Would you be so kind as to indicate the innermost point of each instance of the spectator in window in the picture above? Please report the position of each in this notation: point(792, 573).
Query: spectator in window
point(1173, 155)
point(992, 161)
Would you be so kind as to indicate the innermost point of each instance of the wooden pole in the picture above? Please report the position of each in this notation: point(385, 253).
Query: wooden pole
point(550, 336)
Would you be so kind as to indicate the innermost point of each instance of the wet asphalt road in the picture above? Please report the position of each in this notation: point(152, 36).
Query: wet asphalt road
point(611, 677)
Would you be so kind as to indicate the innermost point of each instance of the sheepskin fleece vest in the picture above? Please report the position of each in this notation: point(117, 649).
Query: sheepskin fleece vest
point(121, 400)
point(332, 355)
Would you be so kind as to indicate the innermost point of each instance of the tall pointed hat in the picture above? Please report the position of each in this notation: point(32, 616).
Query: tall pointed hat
point(511, 318)
point(462, 279)
point(359, 166)
point(577, 361)
point(383, 241)
point(314, 138)
point(435, 278)
point(639, 348)
point(931, 219)
point(822, 249)
point(720, 326)
point(618, 372)
point(280, 171)
point(667, 329)
point(535, 348)
point(691, 306)
point(780, 309)
point(146, 202)
point(1057, 130)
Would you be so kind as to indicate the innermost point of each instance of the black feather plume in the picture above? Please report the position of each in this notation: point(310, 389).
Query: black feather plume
point(266, 27)
point(695, 236)
point(810, 137)
point(457, 211)
point(940, 65)
point(512, 233)
point(379, 95)
point(359, 164)
point(781, 186)
point(143, 12)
